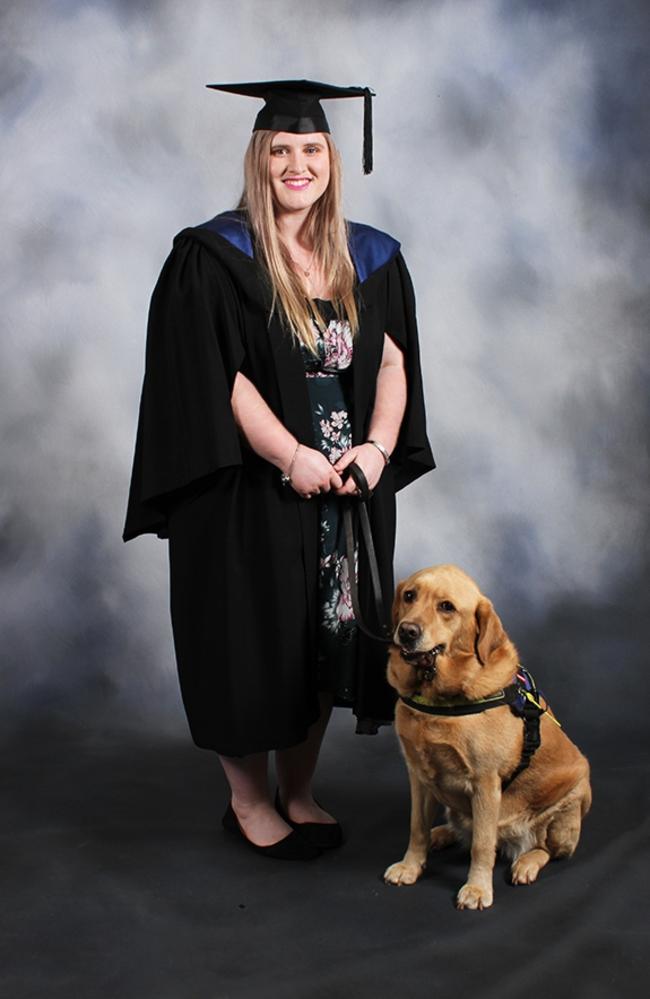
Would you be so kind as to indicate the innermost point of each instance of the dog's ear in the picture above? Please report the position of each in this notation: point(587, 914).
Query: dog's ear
point(396, 601)
point(489, 631)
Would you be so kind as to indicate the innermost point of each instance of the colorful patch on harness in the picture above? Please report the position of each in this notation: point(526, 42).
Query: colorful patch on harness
point(529, 693)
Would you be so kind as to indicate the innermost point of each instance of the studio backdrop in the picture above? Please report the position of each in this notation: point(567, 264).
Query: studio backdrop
point(511, 154)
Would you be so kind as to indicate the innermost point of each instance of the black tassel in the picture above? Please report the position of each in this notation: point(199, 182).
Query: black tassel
point(367, 129)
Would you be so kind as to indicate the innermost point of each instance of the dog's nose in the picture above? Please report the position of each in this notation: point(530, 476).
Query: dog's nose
point(409, 632)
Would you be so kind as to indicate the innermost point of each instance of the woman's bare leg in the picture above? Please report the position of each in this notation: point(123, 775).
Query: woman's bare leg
point(251, 802)
point(295, 768)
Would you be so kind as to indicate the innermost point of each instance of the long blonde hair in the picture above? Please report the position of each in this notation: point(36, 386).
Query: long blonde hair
point(326, 230)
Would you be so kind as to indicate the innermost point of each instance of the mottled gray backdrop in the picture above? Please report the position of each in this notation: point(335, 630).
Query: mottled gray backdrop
point(511, 160)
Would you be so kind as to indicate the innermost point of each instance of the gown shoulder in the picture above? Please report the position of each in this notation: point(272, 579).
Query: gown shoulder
point(370, 248)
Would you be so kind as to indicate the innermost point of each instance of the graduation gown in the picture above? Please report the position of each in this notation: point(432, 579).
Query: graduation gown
point(243, 548)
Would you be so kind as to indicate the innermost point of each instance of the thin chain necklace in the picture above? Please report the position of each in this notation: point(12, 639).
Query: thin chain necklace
point(304, 271)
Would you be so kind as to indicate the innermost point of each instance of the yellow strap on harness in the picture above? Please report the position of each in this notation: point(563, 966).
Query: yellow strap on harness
point(527, 694)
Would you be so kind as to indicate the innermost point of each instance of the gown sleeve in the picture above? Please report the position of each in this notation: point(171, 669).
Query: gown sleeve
point(412, 455)
point(186, 429)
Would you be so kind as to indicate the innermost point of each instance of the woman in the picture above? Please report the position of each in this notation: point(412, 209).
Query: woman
point(281, 347)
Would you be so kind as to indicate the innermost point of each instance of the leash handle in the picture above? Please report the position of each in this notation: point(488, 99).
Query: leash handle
point(360, 480)
point(351, 540)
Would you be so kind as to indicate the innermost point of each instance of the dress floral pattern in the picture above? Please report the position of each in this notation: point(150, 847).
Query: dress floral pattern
point(332, 436)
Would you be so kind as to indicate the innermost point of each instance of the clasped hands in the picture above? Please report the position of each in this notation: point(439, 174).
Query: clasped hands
point(312, 473)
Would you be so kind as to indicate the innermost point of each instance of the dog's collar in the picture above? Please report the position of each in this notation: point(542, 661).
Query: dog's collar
point(460, 705)
point(517, 695)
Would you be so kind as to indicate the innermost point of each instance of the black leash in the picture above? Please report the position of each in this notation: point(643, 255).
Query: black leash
point(355, 511)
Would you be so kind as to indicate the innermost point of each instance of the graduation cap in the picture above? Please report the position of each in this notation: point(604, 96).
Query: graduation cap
point(294, 106)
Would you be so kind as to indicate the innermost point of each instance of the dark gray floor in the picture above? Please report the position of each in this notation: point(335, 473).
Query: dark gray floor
point(119, 882)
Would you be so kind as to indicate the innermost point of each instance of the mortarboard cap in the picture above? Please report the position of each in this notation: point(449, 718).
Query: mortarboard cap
point(294, 106)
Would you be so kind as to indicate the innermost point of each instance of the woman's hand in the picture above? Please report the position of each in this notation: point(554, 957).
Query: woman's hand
point(312, 473)
point(369, 459)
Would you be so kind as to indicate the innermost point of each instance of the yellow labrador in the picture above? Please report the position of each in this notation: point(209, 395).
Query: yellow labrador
point(463, 738)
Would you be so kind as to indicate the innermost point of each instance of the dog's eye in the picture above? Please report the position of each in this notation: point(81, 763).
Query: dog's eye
point(408, 596)
point(446, 606)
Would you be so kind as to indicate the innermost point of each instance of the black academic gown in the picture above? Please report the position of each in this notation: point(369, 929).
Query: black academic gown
point(243, 548)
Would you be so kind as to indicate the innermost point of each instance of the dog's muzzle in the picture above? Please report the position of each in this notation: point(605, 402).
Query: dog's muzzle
point(425, 661)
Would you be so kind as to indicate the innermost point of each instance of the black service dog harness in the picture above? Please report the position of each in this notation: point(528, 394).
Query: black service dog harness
point(522, 697)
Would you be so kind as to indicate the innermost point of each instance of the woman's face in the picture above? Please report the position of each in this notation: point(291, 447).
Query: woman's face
point(299, 169)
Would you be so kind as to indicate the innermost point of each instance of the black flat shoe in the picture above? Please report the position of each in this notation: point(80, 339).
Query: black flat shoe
point(323, 835)
point(292, 847)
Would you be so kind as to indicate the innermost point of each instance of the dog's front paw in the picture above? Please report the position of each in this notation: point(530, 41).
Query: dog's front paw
point(474, 897)
point(403, 873)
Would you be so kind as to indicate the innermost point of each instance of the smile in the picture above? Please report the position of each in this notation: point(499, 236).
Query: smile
point(297, 183)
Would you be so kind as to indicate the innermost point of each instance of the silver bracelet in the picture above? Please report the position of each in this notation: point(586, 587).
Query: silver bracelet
point(286, 476)
point(380, 447)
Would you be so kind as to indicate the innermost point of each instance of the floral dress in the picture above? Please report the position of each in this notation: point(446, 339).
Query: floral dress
point(332, 435)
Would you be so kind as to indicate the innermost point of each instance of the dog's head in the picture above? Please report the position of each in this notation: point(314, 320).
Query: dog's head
point(448, 639)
